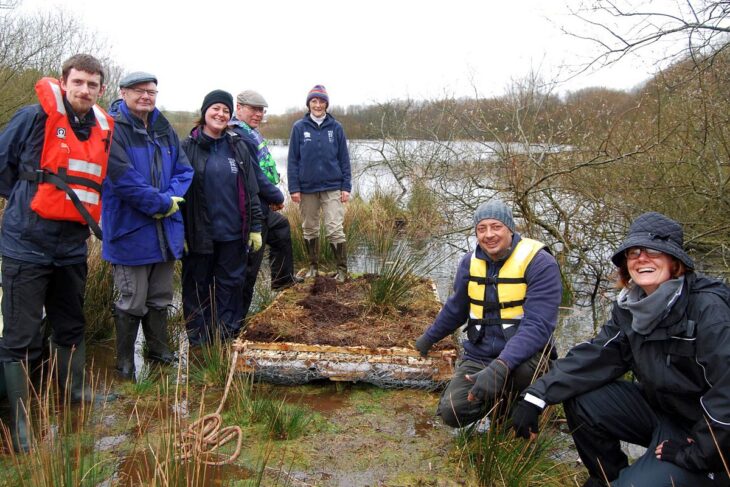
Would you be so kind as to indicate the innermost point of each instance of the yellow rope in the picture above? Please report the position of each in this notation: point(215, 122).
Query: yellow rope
point(204, 436)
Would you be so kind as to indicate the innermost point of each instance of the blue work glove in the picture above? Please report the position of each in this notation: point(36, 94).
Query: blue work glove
point(524, 419)
point(423, 345)
point(254, 241)
point(488, 383)
point(174, 208)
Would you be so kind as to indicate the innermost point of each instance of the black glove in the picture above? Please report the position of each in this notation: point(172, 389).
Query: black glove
point(524, 419)
point(488, 383)
point(423, 345)
point(675, 451)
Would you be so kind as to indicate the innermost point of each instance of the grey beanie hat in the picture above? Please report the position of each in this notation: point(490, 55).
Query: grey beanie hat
point(497, 210)
point(136, 78)
point(655, 231)
point(251, 98)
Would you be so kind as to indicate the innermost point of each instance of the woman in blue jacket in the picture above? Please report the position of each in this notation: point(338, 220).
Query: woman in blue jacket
point(222, 223)
point(319, 177)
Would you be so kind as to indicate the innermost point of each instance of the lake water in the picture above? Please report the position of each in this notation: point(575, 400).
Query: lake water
point(577, 323)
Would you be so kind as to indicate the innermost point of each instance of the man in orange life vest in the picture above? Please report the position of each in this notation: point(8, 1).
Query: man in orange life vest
point(53, 158)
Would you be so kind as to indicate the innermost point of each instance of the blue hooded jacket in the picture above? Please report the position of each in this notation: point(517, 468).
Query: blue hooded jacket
point(146, 168)
point(318, 157)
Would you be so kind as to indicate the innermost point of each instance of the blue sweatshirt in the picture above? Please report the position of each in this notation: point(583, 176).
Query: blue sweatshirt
point(318, 157)
point(544, 292)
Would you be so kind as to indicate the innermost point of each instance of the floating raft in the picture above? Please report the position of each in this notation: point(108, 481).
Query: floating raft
point(297, 363)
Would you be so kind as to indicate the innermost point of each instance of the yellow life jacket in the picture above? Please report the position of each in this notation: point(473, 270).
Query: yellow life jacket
point(511, 287)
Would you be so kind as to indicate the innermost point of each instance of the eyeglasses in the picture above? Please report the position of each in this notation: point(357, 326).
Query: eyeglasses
point(635, 252)
point(261, 110)
point(141, 91)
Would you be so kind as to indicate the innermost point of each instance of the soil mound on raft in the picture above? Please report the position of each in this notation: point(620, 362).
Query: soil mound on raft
point(325, 312)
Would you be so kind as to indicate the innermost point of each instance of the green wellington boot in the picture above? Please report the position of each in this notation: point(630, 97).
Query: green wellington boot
point(127, 326)
point(313, 253)
point(154, 324)
point(73, 361)
point(16, 384)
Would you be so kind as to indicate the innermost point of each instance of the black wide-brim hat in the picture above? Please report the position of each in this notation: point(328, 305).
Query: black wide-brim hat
point(655, 231)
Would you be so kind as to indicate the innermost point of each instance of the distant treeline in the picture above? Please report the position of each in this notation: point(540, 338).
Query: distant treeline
point(442, 119)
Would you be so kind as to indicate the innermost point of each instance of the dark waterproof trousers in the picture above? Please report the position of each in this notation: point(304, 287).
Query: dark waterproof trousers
point(212, 285)
point(454, 408)
point(27, 289)
point(616, 412)
point(276, 233)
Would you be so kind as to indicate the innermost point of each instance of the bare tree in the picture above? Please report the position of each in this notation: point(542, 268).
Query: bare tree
point(684, 28)
point(26, 54)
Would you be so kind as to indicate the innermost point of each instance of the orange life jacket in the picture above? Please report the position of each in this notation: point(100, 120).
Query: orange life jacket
point(71, 171)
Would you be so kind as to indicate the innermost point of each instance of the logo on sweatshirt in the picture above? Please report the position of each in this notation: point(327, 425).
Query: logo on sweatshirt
point(61, 133)
point(234, 167)
point(307, 137)
point(331, 135)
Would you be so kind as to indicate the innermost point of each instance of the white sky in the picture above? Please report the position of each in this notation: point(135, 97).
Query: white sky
point(362, 51)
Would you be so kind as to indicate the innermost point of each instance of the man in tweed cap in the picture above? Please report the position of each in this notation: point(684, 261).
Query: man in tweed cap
point(507, 292)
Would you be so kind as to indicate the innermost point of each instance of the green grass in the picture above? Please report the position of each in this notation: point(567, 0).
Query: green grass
point(499, 458)
point(99, 295)
point(279, 419)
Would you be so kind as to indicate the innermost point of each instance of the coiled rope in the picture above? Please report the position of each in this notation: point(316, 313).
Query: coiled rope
point(204, 437)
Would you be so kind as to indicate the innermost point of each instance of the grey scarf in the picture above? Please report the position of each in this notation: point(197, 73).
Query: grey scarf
point(648, 311)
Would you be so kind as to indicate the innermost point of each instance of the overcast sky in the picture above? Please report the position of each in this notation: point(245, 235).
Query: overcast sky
point(362, 51)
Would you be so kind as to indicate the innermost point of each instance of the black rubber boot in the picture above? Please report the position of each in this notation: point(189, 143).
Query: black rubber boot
point(72, 375)
point(340, 251)
point(313, 254)
point(16, 384)
point(154, 325)
point(127, 327)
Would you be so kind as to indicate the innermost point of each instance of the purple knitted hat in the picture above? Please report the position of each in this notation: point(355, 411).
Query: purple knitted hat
point(319, 91)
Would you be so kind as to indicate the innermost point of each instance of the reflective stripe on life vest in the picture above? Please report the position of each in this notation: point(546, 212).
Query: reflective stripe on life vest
point(68, 166)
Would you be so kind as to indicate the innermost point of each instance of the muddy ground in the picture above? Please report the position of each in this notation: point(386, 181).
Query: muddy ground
point(368, 437)
point(360, 435)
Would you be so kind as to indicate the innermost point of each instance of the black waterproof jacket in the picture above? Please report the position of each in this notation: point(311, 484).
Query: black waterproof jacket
point(683, 367)
point(195, 214)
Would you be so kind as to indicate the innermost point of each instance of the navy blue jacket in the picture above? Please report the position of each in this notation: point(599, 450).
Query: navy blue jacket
point(146, 168)
point(26, 235)
point(318, 157)
point(544, 292)
point(269, 193)
point(195, 213)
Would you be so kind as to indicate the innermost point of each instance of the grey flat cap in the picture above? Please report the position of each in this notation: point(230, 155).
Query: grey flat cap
point(251, 98)
point(136, 78)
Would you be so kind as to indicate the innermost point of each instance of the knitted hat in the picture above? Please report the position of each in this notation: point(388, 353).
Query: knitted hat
point(136, 78)
point(497, 210)
point(319, 91)
point(251, 98)
point(217, 96)
point(655, 231)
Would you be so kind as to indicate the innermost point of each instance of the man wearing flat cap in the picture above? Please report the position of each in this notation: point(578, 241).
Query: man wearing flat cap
point(507, 292)
point(143, 229)
point(276, 232)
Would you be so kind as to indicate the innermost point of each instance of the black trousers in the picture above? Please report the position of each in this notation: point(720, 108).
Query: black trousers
point(276, 233)
point(212, 285)
point(601, 419)
point(27, 289)
point(454, 408)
